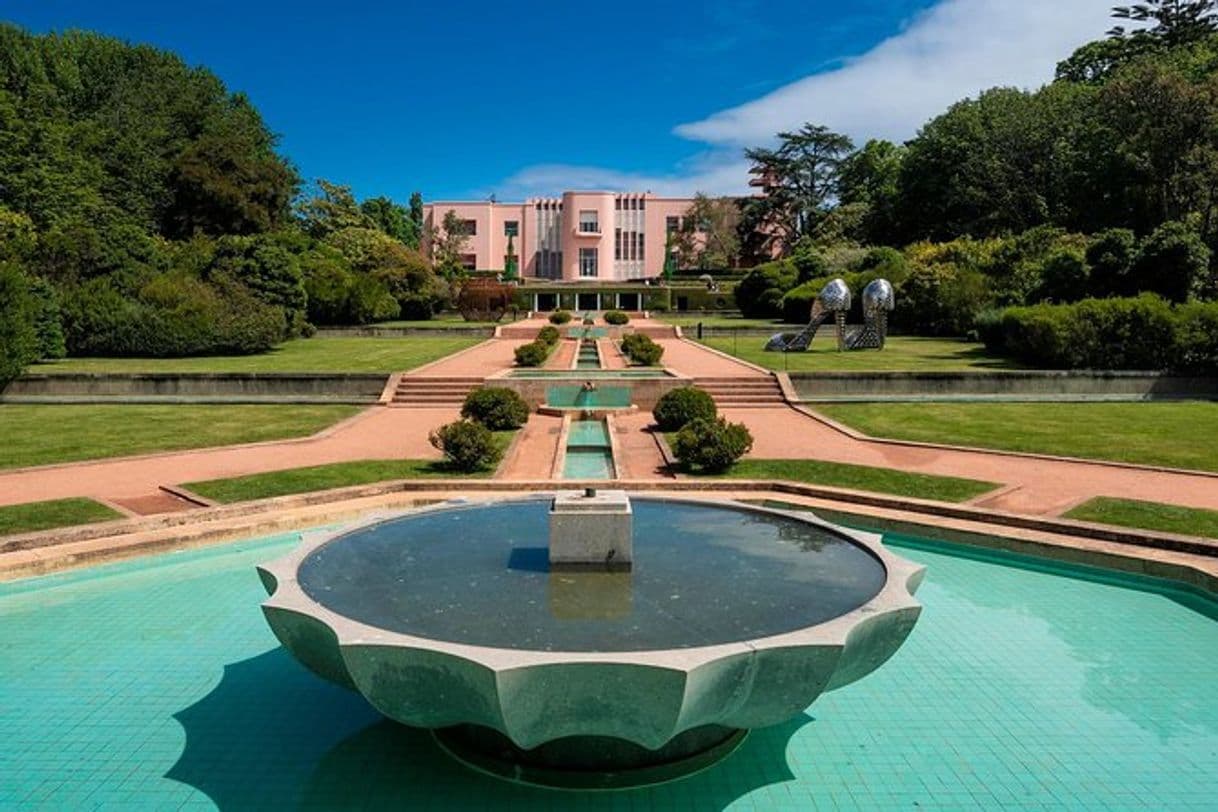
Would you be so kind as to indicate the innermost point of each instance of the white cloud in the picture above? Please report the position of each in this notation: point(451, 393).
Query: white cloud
point(952, 51)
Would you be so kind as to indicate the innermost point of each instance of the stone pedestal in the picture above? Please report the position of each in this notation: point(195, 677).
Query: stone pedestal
point(591, 532)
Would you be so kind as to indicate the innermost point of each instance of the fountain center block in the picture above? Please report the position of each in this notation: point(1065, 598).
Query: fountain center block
point(591, 530)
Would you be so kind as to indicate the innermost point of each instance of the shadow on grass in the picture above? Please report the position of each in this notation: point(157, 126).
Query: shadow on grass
point(272, 735)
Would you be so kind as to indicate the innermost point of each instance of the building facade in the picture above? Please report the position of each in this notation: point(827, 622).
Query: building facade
point(579, 237)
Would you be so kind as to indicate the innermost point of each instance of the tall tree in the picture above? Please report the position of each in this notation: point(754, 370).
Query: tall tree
point(416, 217)
point(717, 221)
point(331, 208)
point(798, 179)
point(1174, 22)
point(448, 244)
point(390, 218)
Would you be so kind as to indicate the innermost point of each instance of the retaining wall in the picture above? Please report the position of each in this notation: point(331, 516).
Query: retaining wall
point(248, 387)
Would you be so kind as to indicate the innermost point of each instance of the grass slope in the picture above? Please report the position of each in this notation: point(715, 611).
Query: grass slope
point(301, 355)
point(900, 354)
point(34, 516)
point(861, 478)
point(336, 475)
point(1169, 434)
point(1148, 516)
point(44, 434)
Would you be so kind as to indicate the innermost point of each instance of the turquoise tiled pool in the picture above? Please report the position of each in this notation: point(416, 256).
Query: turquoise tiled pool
point(157, 685)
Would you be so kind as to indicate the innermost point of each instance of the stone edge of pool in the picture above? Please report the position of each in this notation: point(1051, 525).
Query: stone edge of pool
point(1185, 559)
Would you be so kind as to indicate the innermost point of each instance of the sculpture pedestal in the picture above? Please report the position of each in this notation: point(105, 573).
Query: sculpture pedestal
point(591, 531)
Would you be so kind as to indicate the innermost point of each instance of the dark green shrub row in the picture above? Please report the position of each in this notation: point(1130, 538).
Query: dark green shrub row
point(18, 341)
point(1138, 333)
point(711, 445)
point(172, 316)
point(496, 407)
point(467, 446)
point(678, 407)
point(641, 350)
point(560, 317)
point(616, 317)
point(533, 354)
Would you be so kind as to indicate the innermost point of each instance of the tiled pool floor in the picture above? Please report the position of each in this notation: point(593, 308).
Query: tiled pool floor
point(157, 685)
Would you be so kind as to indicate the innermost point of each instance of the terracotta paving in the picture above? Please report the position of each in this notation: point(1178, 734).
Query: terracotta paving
point(695, 361)
point(638, 455)
point(377, 433)
point(532, 456)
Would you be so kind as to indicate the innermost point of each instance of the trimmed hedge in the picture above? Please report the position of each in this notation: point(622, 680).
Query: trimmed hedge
point(560, 317)
point(467, 446)
point(496, 407)
point(533, 354)
point(641, 350)
point(548, 335)
point(711, 446)
point(678, 407)
point(616, 317)
point(1138, 333)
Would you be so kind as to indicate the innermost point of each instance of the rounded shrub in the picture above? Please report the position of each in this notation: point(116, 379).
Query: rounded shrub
point(467, 446)
point(533, 354)
point(496, 407)
point(560, 317)
point(548, 335)
point(711, 446)
point(616, 317)
point(678, 407)
point(642, 350)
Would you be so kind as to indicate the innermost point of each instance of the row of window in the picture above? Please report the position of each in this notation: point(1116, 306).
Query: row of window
point(627, 245)
point(631, 204)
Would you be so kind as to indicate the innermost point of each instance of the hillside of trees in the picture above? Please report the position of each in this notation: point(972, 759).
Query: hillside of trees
point(1101, 185)
point(144, 210)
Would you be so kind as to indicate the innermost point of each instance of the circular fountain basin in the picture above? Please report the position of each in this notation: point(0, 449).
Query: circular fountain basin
point(733, 617)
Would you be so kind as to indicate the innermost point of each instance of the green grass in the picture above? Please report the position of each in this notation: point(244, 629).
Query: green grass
point(324, 477)
point(34, 516)
point(43, 434)
point(715, 320)
point(1177, 435)
point(301, 355)
point(900, 354)
point(442, 322)
point(1148, 516)
point(861, 478)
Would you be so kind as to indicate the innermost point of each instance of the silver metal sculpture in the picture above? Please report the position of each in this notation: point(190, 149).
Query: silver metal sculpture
point(878, 301)
point(833, 300)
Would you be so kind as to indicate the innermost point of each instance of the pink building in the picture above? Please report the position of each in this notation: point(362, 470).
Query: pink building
point(580, 237)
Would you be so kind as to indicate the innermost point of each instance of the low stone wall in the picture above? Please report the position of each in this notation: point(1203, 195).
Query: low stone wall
point(644, 392)
point(217, 387)
point(1013, 384)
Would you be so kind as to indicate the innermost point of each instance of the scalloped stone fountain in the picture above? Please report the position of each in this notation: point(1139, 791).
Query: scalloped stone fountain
point(729, 617)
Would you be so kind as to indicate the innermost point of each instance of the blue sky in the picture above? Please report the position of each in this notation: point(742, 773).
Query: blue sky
point(461, 99)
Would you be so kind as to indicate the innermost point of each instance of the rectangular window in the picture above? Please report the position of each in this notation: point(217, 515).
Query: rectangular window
point(640, 256)
point(587, 262)
point(469, 261)
point(511, 228)
point(672, 224)
point(469, 227)
point(617, 243)
point(588, 223)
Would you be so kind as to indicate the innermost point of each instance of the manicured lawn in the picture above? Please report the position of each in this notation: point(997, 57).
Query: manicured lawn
point(861, 478)
point(301, 355)
point(43, 434)
point(1178, 435)
point(900, 354)
point(34, 516)
point(1148, 516)
point(683, 320)
point(443, 322)
point(324, 477)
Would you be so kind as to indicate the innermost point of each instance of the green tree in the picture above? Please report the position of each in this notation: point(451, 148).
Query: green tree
point(330, 208)
point(1172, 262)
point(48, 325)
point(1175, 22)
point(18, 339)
point(1110, 256)
point(268, 269)
point(717, 221)
point(416, 218)
point(448, 244)
point(392, 219)
point(871, 178)
point(798, 178)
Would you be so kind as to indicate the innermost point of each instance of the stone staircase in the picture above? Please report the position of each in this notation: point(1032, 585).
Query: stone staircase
point(422, 390)
point(743, 391)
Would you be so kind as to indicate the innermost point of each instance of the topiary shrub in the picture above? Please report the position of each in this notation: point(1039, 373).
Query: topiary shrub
point(680, 406)
point(711, 446)
point(641, 350)
point(467, 446)
point(533, 354)
point(548, 335)
point(496, 407)
point(560, 317)
point(616, 317)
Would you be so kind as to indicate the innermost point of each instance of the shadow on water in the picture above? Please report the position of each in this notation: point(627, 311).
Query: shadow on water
point(271, 734)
